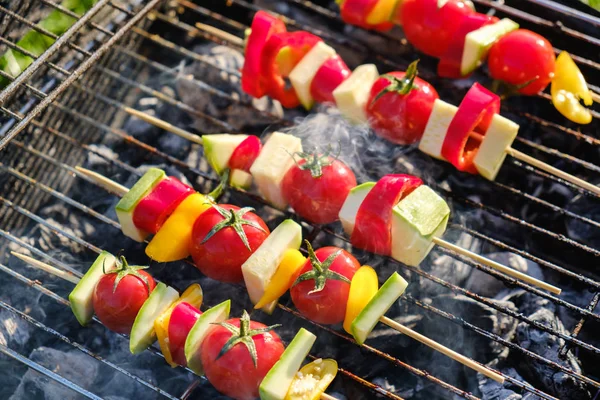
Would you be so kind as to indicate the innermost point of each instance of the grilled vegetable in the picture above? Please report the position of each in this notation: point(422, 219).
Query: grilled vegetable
point(152, 211)
point(451, 61)
point(223, 238)
point(264, 25)
point(126, 206)
point(81, 298)
point(475, 113)
point(523, 59)
point(478, 43)
point(260, 268)
point(219, 148)
point(193, 296)
point(568, 88)
point(14, 62)
point(245, 154)
point(312, 380)
point(304, 72)
point(183, 318)
point(351, 205)
point(432, 141)
point(352, 95)
point(385, 297)
point(492, 152)
point(329, 76)
point(368, 14)
point(172, 242)
point(277, 382)
point(363, 287)
point(321, 287)
point(399, 106)
point(200, 330)
point(142, 332)
point(283, 278)
point(416, 220)
point(372, 229)
point(120, 294)
point(316, 186)
point(272, 164)
point(281, 54)
point(237, 355)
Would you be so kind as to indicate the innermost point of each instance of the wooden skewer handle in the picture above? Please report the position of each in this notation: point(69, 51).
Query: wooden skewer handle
point(164, 125)
point(554, 171)
point(443, 349)
point(104, 181)
point(325, 396)
point(47, 268)
point(497, 266)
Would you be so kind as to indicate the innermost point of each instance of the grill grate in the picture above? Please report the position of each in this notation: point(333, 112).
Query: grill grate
point(56, 135)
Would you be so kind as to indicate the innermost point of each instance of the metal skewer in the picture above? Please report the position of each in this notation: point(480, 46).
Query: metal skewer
point(385, 320)
point(121, 190)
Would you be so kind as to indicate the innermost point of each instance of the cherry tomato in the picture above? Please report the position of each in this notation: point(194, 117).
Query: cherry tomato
point(398, 117)
point(328, 305)
point(234, 373)
point(318, 199)
point(430, 28)
point(221, 256)
point(118, 308)
point(523, 56)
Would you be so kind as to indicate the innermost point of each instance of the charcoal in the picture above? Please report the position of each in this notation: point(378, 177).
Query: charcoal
point(487, 285)
point(579, 230)
point(492, 390)
point(72, 365)
point(14, 332)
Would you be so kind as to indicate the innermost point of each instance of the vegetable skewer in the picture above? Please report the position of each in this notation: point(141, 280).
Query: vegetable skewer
point(363, 324)
point(120, 190)
point(280, 382)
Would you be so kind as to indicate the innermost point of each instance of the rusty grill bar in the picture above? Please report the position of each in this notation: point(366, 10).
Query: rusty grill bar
point(31, 105)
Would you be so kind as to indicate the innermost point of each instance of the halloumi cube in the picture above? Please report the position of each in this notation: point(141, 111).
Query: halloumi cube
point(432, 141)
point(304, 72)
point(351, 96)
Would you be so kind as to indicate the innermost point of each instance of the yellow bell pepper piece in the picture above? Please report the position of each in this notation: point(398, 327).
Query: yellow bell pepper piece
point(363, 287)
point(382, 12)
point(281, 281)
point(173, 240)
point(568, 87)
point(192, 295)
point(312, 380)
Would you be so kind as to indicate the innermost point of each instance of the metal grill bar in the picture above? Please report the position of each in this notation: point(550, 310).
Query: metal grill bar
point(502, 341)
point(84, 66)
point(44, 371)
point(83, 349)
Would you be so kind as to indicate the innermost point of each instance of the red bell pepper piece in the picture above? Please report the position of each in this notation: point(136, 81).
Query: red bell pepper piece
point(263, 26)
point(355, 12)
point(449, 65)
point(280, 55)
point(183, 318)
point(245, 154)
point(329, 76)
point(372, 227)
point(154, 209)
point(470, 123)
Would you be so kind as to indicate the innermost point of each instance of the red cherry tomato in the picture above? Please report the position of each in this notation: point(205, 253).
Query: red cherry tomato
point(430, 28)
point(400, 118)
point(234, 373)
point(318, 199)
point(222, 255)
point(329, 76)
point(245, 154)
point(523, 56)
point(117, 310)
point(327, 306)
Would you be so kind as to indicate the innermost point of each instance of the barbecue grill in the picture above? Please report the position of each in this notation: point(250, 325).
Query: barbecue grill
point(114, 88)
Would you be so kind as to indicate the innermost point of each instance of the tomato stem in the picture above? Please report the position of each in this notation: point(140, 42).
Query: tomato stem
point(235, 220)
point(223, 184)
point(320, 270)
point(123, 269)
point(401, 86)
point(243, 335)
point(315, 162)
